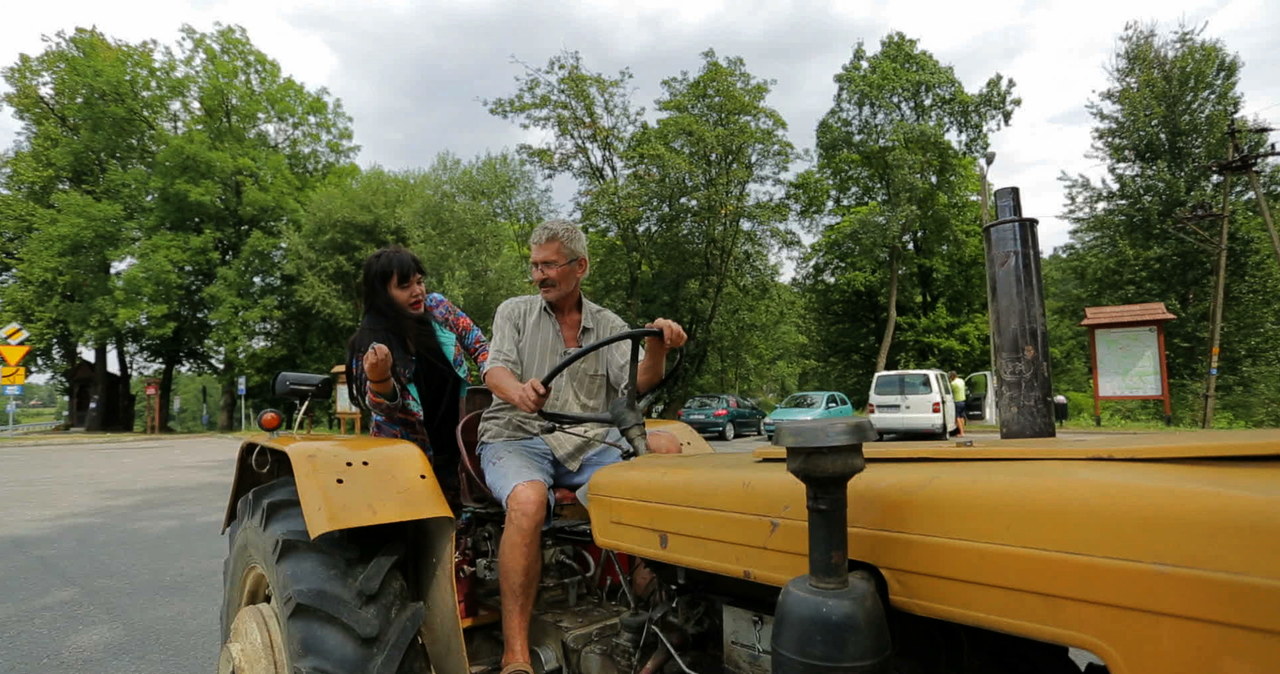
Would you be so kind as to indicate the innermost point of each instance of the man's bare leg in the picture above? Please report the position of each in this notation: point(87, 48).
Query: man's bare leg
point(520, 566)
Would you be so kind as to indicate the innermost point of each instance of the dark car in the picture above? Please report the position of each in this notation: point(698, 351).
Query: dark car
point(722, 413)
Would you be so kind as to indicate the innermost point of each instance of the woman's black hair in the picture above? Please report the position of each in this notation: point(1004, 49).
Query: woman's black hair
point(380, 268)
point(415, 351)
point(385, 322)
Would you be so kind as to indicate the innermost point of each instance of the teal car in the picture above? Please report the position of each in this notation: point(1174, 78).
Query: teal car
point(808, 405)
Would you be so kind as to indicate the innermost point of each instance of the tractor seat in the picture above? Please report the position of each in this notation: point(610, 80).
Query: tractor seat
point(474, 491)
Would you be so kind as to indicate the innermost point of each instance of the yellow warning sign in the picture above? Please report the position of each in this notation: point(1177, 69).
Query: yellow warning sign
point(13, 376)
point(13, 354)
point(14, 333)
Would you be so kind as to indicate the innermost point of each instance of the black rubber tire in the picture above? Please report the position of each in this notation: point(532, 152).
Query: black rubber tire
point(760, 427)
point(729, 432)
point(342, 600)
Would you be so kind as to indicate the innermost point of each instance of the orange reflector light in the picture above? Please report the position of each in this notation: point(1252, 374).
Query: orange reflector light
point(270, 420)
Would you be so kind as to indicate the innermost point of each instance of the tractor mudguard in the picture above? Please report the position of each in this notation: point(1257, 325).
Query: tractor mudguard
point(344, 482)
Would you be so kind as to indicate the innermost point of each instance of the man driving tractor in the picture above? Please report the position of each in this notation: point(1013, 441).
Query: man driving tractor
point(522, 462)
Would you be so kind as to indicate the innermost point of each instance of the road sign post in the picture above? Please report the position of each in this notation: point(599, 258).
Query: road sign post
point(12, 376)
point(240, 389)
point(152, 390)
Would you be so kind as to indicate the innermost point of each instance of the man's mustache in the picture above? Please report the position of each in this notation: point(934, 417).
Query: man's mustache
point(546, 283)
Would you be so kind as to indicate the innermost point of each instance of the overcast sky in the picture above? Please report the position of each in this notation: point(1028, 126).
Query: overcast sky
point(412, 73)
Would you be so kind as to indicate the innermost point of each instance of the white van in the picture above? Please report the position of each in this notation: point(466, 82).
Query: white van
point(912, 402)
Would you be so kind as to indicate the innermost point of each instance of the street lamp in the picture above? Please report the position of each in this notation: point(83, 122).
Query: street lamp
point(986, 165)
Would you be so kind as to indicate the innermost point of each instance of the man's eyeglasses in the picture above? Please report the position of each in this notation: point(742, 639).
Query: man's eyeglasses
point(548, 267)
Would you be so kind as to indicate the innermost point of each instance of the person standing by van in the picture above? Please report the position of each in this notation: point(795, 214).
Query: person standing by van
point(958, 392)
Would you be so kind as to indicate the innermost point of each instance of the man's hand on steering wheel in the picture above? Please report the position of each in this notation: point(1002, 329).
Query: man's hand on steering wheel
point(531, 396)
point(624, 413)
point(673, 336)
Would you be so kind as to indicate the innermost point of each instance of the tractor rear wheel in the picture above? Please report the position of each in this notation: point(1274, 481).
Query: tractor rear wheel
point(291, 604)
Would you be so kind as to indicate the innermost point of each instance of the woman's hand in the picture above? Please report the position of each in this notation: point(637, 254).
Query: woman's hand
point(377, 367)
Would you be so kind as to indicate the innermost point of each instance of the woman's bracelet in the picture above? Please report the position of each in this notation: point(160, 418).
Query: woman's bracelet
point(380, 381)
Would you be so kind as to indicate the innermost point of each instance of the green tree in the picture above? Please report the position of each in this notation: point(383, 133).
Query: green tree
point(91, 111)
point(891, 197)
point(1148, 231)
point(253, 142)
point(468, 221)
point(709, 180)
point(685, 214)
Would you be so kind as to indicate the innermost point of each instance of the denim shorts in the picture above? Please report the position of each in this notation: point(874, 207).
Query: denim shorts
point(507, 463)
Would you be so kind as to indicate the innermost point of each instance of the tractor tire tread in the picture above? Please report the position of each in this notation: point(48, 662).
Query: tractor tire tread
point(342, 600)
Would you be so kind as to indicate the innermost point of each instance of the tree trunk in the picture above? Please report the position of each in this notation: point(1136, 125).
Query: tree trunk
point(166, 391)
point(891, 322)
point(227, 404)
point(125, 392)
point(94, 421)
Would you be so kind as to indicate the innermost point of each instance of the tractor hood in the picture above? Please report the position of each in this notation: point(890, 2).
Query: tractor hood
point(1177, 524)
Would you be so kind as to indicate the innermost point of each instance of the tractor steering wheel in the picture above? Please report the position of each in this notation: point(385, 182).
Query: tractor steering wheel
point(625, 412)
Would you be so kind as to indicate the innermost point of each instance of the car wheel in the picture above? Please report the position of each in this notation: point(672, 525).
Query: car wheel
point(760, 427)
point(769, 437)
point(729, 431)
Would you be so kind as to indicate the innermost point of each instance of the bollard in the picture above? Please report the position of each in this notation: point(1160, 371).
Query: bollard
point(828, 621)
point(1019, 330)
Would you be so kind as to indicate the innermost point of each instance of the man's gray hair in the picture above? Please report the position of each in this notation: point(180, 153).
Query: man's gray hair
point(567, 233)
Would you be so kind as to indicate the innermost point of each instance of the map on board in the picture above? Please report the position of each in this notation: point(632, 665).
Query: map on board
point(1128, 362)
point(344, 404)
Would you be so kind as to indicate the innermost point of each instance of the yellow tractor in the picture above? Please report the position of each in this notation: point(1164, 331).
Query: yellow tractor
point(1147, 553)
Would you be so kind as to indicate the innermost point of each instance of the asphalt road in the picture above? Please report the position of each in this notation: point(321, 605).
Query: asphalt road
point(110, 558)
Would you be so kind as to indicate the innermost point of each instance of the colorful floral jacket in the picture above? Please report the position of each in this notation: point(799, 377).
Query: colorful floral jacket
point(402, 416)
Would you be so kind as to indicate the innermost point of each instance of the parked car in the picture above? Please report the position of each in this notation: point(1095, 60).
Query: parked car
point(912, 402)
point(722, 413)
point(808, 405)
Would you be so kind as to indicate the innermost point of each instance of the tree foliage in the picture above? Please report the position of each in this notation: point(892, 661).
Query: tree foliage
point(686, 213)
point(469, 222)
point(891, 199)
point(1148, 231)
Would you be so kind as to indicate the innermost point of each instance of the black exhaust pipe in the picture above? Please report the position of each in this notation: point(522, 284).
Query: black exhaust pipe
point(1019, 330)
point(828, 621)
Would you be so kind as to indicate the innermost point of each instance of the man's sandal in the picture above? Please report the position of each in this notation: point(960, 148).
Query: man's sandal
point(518, 668)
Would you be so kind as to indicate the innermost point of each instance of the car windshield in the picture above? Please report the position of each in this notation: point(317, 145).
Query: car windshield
point(902, 384)
point(703, 403)
point(804, 401)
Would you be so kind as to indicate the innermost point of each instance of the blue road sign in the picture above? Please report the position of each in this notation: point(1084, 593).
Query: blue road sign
point(11, 390)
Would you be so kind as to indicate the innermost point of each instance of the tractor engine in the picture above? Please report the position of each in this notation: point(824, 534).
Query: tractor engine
point(600, 612)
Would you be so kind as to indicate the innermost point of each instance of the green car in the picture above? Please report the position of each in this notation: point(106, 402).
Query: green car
point(724, 414)
point(808, 405)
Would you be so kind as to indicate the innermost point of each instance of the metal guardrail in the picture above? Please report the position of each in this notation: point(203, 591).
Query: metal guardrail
point(32, 427)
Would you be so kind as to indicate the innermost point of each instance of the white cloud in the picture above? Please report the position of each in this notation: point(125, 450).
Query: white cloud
point(412, 73)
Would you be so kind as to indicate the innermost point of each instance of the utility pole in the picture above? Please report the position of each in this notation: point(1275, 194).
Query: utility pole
point(989, 157)
point(1237, 161)
point(1219, 291)
point(1247, 163)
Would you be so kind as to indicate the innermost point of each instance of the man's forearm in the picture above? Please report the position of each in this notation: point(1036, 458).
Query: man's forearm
point(650, 370)
point(503, 383)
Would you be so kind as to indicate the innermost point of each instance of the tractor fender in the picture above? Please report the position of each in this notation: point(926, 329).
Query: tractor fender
point(343, 482)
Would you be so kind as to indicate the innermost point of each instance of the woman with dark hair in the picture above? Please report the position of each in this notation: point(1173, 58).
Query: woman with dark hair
point(405, 363)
